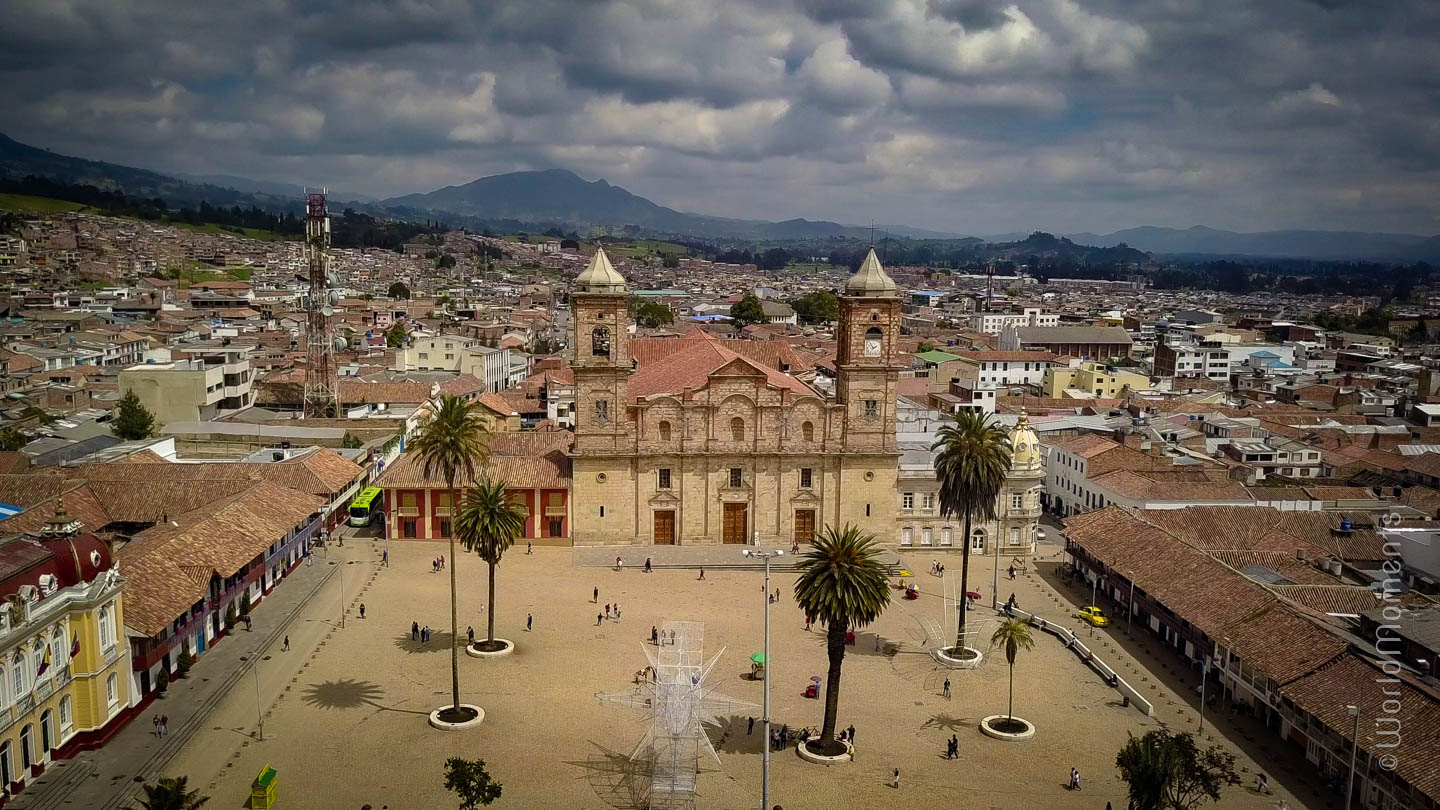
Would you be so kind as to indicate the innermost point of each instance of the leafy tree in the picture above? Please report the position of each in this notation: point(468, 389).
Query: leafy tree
point(925, 346)
point(445, 262)
point(670, 260)
point(569, 244)
point(351, 442)
point(1012, 636)
point(974, 458)
point(1166, 770)
point(12, 439)
point(395, 336)
point(748, 310)
point(169, 793)
point(398, 291)
point(773, 259)
point(488, 524)
point(468, 779)
point(132, 421)
point(819, 306)
point(652, 314)
point(842, 585)
point(545, 345)
point(451, 442)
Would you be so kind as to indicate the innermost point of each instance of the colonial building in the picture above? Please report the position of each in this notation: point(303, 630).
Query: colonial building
point(705, 445)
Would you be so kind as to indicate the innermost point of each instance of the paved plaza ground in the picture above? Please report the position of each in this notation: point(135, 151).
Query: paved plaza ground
point(345, 709)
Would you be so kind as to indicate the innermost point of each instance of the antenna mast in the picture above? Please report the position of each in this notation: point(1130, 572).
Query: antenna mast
point(322, 384)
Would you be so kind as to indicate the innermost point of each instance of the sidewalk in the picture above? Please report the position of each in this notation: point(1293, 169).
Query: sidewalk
point(107, 778)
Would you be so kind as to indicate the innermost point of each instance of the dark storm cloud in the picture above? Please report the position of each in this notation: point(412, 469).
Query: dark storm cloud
point(966, 115)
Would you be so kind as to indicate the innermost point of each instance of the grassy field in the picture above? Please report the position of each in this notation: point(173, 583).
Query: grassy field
point(251, 233)
point(38, 205)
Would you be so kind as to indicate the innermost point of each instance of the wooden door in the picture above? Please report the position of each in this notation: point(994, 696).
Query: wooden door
point(804, 525)
point(665, 527)
point(736, 528)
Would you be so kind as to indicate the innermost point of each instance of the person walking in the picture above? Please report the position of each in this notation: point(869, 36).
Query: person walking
point(750, 729)
point(617, 563)
point(852, 733)
point(599, 617)
point(895, 779)
point(470, 636)
point(362, 610)
point(529, 621)
point(286, 648)
point(157, 724)
point(414, 631)
point(164, 725)
point(647, 565)
point(946, 691)
point(595, 595)
point(529, 549)
point(385, 559)
point(702, 573)
point(654, 635)
point(607, 610)
point(617, 612)
point(807, 622)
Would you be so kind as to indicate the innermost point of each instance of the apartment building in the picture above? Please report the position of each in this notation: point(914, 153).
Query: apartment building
point(210, 380)
point(993, 323)
point(1093, 379)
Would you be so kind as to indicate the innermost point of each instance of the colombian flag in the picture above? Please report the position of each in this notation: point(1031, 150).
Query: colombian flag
point(44, 664)
point(75, 645)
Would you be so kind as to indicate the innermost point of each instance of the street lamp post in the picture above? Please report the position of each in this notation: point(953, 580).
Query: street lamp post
point(259, 706)
point(1354, 748)
point(765, 708)
point(342, 597)
point(1130, 608)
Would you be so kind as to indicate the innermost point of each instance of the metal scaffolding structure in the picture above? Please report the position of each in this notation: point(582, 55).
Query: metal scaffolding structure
point(676, 700)
point(322, 382)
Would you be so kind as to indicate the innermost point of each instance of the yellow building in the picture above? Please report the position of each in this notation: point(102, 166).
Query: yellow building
point(703, 444)
point(1095, 379)
point(64, 660)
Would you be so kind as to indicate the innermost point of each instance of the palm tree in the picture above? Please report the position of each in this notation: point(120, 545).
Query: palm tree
point(974, 459)
point(169, 793)
point(1013, 635)
point(488, 524)
point(452, 442)
point(842, 585)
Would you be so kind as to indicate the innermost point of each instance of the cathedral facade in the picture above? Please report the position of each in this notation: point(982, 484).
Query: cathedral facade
point(698, 443)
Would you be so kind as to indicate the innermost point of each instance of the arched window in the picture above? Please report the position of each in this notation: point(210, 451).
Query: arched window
point(664, 431)
point(4, 693)
point(58, 657)
point(37, 656)
point(107, 628)
point(17, 676)
point(947, 536)
point(112, 692)
point(977, 541)
point(600, 341)
point(807, 432)
point(67, 718)
point(737, 429)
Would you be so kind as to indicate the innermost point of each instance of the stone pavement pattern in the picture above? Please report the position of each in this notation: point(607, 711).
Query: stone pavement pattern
point(348, 728)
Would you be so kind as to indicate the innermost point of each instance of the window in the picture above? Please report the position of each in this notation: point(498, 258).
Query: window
point(602, 411)
point(67, 718)
point(947, 536)
point(449, 356)
point(977, 541)
point(737, 429)
point(407, 500)
point(424, 355)
point(408, 528)
point(907, 536)
point(107, 627)
point(807, 432)
point(664, 431)
point(737, 477)
point(872, 408)
point(907, 501)
point(1014, 536)
point(1017, 501)
point(664, 482)
point(602, 511)
point(927, 536)
point(112, 692)
point(557, 527)
point(927, 500)
point(807, 477)
point(600, 341)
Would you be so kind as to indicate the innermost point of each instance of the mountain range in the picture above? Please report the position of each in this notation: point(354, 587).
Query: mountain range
point(559, 197)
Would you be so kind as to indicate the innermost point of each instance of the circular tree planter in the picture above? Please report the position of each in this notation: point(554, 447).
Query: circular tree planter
point(448, 719)
point(959, 657)
point(1010, 729)
point(480, 649)
point(824, 759)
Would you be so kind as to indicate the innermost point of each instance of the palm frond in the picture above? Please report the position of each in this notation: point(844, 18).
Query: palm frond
point(842, 579)
point(452, 440)
point(973, 462)
point(488, 522)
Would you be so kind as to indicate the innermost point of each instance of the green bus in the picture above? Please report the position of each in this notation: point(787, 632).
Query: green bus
point(366, 507)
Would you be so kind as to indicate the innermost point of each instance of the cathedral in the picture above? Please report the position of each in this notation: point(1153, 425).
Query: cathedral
point(698, 443)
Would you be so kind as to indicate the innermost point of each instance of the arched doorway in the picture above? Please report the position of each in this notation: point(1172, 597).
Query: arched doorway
point(7, 765)
point(47, 734)
point(977, 541)
point(27, 747)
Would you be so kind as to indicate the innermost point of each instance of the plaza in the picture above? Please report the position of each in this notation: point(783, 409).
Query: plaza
point(345, 708)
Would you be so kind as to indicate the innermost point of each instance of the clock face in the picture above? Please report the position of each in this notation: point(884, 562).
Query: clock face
point(872, 347)
point(1022, 447)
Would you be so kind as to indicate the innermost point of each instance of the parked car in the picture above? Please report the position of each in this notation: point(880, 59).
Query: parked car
point(1093, 615)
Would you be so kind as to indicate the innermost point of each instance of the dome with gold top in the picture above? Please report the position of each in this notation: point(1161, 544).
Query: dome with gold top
point(1024, 446)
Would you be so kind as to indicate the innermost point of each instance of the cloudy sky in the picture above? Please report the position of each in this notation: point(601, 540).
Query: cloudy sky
point(971, 116)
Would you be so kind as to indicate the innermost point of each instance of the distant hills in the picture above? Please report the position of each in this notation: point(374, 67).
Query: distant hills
point(559, 197)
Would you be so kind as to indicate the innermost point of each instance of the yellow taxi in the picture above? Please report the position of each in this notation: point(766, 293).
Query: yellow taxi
point(1094, 616)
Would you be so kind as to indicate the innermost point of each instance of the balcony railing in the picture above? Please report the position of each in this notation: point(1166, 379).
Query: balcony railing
point(408, 511)
point(112, 654)
point(554, 511)
point(442, 511)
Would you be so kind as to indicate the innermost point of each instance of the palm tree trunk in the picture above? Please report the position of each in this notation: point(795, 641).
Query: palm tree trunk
point(454, 608)
point(1010, 712)
point(964, 586)
point(835, 646)
point(491, 612)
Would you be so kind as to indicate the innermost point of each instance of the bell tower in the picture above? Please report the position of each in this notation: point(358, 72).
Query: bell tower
point(867, 376)
point(600, 342)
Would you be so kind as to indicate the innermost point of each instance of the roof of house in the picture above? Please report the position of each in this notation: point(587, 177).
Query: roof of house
point(693, 362)
point(1073, 334)
point(532, 459)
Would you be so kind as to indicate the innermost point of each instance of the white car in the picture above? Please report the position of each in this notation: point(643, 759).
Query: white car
point(1039, 534)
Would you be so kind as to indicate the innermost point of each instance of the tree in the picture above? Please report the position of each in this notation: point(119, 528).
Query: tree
point(569, 244)
point(351, 442)
point(451, 442)
point(395, 336)
point(445, 262)
point(841, 585)
point(748, 310)
point(169, 793)
point(488, 524)
point(1166, 770)
point(398, 290)
point(974, 458)
point(12, 439)
point(652, 314)
point(925, 346)
point(469, 780)
point(1012, 636)
point(817, 307)
point(132, 421)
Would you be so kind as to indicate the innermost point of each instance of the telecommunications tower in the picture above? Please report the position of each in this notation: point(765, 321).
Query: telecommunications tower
point(322, 384)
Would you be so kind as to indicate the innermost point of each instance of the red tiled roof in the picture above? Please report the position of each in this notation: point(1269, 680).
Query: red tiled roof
point(690, 367)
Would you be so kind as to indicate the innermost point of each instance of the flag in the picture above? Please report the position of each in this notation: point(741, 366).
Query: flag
point(44, 664)
point(75, 645)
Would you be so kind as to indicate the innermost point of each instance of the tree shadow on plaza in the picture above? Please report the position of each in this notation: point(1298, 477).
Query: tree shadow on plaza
point(349, 694)
point(945, 722)
point(439, 642)
point(617, 780)
point(865, 644)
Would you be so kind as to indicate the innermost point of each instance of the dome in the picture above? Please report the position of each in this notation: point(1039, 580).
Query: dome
point(600, 276)
point(871, 279)
point(1024, 445)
